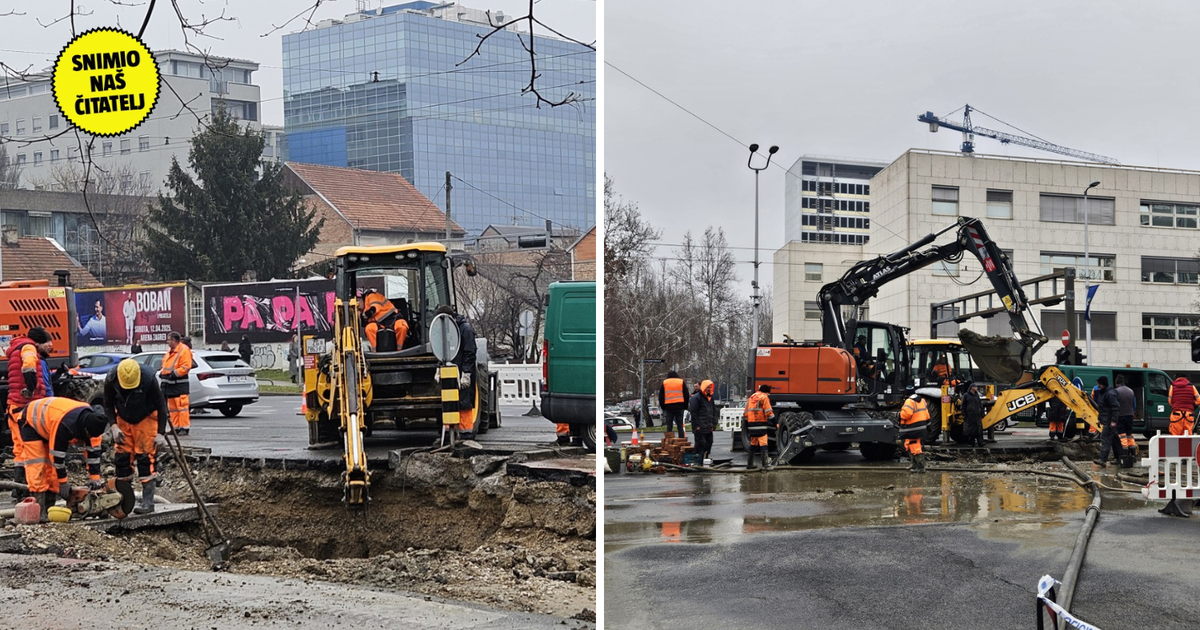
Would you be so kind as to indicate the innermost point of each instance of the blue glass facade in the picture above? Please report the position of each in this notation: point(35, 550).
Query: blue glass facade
point(384, 93)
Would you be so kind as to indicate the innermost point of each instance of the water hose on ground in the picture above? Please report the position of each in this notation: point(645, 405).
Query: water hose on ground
point(1071, 575)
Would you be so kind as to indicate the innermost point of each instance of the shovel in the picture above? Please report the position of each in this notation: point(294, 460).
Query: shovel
point(218, 552)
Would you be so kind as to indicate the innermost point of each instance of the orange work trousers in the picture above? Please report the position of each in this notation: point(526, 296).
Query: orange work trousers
point(760, 440)
point(14, 426)
point(1181, 422)
point(401, 328)
point(913, 447)
point(181, 415)
point(562, 428)
point(137, 443)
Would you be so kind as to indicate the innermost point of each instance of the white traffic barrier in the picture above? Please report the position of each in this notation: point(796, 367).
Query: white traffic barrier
point(1173, 470)
point(731, 418)
point(519, 382)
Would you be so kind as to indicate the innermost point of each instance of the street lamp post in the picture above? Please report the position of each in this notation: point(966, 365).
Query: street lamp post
point(1087, 264)
point(755, 297)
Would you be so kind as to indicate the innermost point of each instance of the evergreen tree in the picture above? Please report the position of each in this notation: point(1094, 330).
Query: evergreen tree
point(229, 219)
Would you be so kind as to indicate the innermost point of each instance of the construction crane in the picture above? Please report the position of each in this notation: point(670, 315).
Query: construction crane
point(969, 132)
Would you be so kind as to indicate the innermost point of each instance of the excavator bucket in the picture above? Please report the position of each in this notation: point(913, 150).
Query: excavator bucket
point(1001, 358)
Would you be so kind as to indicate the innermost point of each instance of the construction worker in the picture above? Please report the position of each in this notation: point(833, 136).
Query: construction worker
point(1057, 415)
point(1108, 406)
point(941, 369)
point(972, 410)
point(381, 313)
point(174, 376)
point(704, 418)
point(1128, 405)
point(48, 426)
point(673, 400)
point(914, 421)
point(758, 424)
point(465, 360)
point(26, 366)
point(135, 402)
point(1183, 398)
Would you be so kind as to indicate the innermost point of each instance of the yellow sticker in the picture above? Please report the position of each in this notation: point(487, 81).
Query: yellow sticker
point(106, 82)
point(57, 292)
point(1008, 303)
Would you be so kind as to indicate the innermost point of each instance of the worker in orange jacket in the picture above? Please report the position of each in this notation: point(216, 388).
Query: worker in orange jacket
point(381, 313)
point(673, 401)
point(26, 367)
point(758, 424)
point(1184, 399)
point(174, 376)
point(914, 423)
point(48, 427)
point(135, 402)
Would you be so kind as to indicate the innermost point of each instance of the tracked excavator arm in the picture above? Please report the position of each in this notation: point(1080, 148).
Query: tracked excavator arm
point(351, 395)
point(1006, 359)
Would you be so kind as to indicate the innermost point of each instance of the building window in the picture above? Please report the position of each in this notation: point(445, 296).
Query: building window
point(1157, 327)
point(812, 272)
point(1104, 324)
point(72, 154)
point(107, 148)
point(3, 129)
point(143, 143)
point(999, 204)
point(37, 124)
point(1068, 209)
point(812, 310)
point(1168, 215)
point(1170, 270)
point(943, 268)
point(53, 155)
point(1102, 267)
point(945, 201)
point(20, 159)
point(20, 126)
point(144, 181)
point(37, 158)
point(125, 146)
point(53, 122)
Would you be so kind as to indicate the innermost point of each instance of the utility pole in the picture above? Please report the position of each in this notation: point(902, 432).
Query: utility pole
point(447, 209)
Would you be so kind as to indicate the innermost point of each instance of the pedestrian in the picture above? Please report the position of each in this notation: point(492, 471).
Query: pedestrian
point(610, 432)
point(293, 357)
point(972, 410)
point(245, 350)
point(135, 402)
point(673, 400)
point(759, 417)
point(1108, 406)
point(1125, 411)
point(48, 427)
point(1057, 415)
point(637, 416)
point(1183, 399)
point(465, 360)
point(136, 348)
point(380, 313)
point(914, 421)
point(225, 347)
point(704, 419)
point(174, 376)
point(26, 367)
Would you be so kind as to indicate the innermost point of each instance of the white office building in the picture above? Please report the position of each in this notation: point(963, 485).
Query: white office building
point(1142, 226)
point(138, 161)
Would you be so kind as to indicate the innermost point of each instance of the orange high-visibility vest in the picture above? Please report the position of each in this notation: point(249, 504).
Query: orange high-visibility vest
point(914, 411)
point(383, 307)
point(758, 409)
point(673, 392)
point(177, 361)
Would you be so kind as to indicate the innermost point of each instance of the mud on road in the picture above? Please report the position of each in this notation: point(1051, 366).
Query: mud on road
point(447, 527)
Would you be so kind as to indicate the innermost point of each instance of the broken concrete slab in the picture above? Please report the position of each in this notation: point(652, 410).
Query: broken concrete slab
point(577, 472)
point(163, 516)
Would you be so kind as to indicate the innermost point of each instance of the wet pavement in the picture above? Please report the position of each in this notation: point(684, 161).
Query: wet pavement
point(868, 545)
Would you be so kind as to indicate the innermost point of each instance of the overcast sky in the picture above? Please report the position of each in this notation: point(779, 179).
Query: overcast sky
point(848, 79)
point(24, 42)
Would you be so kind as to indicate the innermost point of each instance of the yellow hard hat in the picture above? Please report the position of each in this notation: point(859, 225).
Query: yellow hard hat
point(129, 374)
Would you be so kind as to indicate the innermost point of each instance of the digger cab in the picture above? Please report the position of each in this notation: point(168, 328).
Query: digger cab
point(929, 354)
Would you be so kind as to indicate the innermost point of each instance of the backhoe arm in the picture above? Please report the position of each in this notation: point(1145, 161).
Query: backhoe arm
point(1051, 383)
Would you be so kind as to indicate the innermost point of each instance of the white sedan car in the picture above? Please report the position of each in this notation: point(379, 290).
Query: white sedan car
point(218, 380)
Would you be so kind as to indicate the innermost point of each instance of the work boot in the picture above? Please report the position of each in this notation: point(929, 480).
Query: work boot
point(45, 501)
point(1100, 463)
point(750, 461)
point(919, 459)
point(128, 500)
point(766, 460)
point(19, 477)
point(147, 505)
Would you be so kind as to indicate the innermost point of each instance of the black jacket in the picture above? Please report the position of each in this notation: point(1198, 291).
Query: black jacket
point(704, 413)
point(972, 408)
point(245, 350)
point(1127, 399)
point(1058, 411)
point(1108, 405)
point(133, 405)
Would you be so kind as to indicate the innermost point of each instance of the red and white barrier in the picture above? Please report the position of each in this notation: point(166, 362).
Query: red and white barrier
point(1173, 468)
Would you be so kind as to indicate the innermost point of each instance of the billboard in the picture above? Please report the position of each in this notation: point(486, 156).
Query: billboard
point(122, 316)
point(267, 312)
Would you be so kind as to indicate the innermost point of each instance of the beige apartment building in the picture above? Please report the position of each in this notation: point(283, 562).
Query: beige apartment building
point(1143, 237)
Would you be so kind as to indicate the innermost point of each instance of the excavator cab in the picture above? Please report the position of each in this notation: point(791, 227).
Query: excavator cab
point(881, 353)
point(928, 354)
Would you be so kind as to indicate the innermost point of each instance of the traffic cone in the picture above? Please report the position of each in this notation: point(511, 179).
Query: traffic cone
point(304, 406)
point(634, 440)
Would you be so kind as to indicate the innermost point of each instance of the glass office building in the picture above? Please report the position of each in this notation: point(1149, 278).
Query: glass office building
point(388, 90)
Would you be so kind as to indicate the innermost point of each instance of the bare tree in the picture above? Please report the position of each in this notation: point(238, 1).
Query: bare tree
point(10, 173)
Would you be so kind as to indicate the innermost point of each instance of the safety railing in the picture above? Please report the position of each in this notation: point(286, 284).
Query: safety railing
point(1173, 470)
point(519, 382)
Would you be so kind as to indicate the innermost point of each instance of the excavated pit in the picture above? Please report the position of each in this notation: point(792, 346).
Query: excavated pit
point(450, 527)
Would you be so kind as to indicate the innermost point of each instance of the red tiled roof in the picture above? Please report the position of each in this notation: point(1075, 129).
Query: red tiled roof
point(373, 200)
point(35, 258)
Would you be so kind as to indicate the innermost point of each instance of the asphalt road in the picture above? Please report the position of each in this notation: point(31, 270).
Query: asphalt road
point(882, 548)
point(273, 427)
